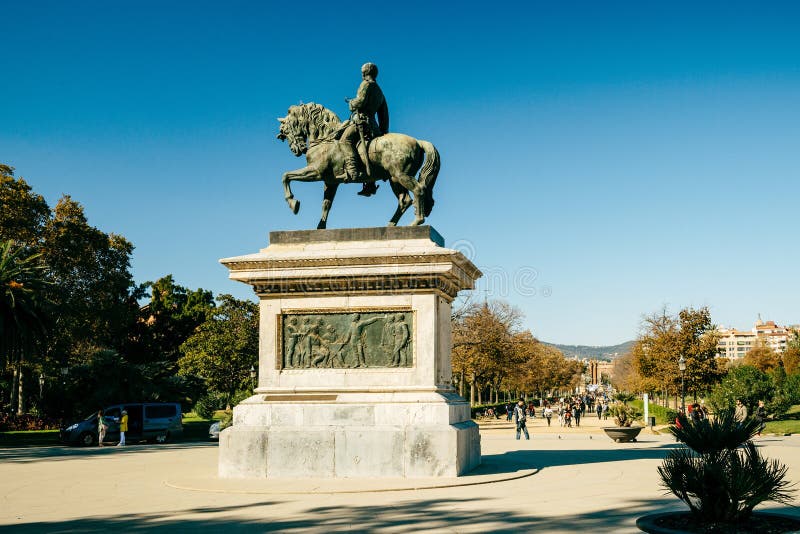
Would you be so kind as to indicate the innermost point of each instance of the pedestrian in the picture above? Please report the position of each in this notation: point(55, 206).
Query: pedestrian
point(519, 413)
point(102, 428)
point(578, 412)
point(760, 415)
point(740, 414)
point(123, 427)
point(605, 410)
point(599, 408)
point(509, 411)
point(568, 416)
point(548, 413)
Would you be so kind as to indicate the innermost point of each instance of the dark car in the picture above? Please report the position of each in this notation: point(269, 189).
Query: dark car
point(152, 421)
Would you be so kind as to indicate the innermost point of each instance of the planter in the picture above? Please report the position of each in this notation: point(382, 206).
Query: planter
point(682, 523)
point(622, 434)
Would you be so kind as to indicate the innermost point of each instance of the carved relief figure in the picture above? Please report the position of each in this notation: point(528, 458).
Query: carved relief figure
point(355, 337)
point(345, 340)
point(401, 336)
point(291, 341)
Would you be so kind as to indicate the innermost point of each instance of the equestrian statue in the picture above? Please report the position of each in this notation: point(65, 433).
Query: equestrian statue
point(359, 150)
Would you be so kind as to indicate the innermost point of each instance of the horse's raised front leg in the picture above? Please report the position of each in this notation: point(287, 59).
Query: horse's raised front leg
point(403, 202)
point(419, 194)
point(306, 174)
point(327, 201)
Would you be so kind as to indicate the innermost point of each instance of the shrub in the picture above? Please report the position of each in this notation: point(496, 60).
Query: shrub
point(208, 404)
point(623, 414)
point(719, 473)
point(742, 382)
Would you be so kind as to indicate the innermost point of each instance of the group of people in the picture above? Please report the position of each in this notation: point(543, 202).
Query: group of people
point(102, 428)
point(568, 411)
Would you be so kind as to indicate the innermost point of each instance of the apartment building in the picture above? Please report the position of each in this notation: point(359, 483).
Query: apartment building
point(734, 344)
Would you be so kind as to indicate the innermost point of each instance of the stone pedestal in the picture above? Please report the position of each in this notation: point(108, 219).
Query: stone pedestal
point(354, 375)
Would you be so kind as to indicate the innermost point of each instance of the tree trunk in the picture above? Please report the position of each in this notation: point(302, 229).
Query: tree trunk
point(12, 395)
point(461, 384)
point(480, 394)
point(472, 393)
point(20, 393)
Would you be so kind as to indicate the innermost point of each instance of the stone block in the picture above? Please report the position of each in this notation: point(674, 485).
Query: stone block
point(243, 452)
point(369, 452)
point(301, 453)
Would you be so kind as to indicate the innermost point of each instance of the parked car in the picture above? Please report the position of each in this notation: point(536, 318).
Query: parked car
point(151, 421)
point(213, 431)
point(217, 427)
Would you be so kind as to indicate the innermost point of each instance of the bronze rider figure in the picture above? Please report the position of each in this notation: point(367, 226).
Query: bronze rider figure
point(368, 102)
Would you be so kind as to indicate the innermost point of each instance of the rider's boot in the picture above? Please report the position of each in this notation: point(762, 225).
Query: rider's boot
point(352, 173)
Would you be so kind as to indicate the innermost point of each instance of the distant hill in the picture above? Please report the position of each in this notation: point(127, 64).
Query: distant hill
point(594, 353)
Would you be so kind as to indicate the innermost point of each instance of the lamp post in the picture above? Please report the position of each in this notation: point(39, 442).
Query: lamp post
point(682, 367)
point(253, 376)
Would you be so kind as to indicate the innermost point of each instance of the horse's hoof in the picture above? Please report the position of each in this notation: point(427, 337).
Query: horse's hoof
point(391, 224)
point(321, 225)
point(417, 222)
point(294, 205)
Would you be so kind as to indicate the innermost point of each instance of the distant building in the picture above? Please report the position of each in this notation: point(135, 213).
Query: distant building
point(734, 344)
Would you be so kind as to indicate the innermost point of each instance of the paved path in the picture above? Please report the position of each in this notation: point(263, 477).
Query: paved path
point(585, 482)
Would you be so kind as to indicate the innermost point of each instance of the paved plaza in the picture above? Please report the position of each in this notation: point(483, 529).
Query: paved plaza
point(562, 480)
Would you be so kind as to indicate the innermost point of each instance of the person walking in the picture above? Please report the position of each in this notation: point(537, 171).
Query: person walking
point(123, 427)
point(578, 412)
point(599, 409)
point(509, 411)
point(102, 428)
point(760, 415)
point(605, 410)
point(740, 414)
point(519, 413)
point(548, 413)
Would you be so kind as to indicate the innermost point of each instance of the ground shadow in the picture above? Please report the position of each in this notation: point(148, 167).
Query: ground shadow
point(451, 515)
point(60, 452)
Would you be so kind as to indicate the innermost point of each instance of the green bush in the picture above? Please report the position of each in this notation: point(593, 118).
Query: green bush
point(719, 473)
point(664, 416)
point(742, 382)
point(208, 404)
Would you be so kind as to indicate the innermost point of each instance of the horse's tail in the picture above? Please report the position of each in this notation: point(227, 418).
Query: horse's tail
point(428, 173)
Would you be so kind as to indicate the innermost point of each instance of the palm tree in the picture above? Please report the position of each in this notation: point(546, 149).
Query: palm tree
point(22, 305)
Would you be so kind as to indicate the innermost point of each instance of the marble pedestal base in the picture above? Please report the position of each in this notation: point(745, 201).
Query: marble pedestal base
point(366, 435)
point(354, 373)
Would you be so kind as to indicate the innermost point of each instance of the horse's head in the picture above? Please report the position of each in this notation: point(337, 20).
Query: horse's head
point(307, 122)
point(292, 130)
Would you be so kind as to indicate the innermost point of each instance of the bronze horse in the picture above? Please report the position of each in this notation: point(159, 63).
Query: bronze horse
point(311, 130)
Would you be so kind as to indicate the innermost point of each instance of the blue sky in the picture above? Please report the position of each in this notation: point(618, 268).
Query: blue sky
point(599, 159)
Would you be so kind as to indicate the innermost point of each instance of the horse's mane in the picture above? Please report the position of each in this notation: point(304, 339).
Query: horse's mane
point(321, 122)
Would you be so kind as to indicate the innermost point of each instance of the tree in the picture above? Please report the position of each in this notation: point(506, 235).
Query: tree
point(24, 212)
point(22, 312)
point(791, 357)
point(742, 382)
point(664, 339)
point(166, 321)
point(91, 281)
point(224, 347)
point(482, 342)
point(762, 357)
point(87, 273)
